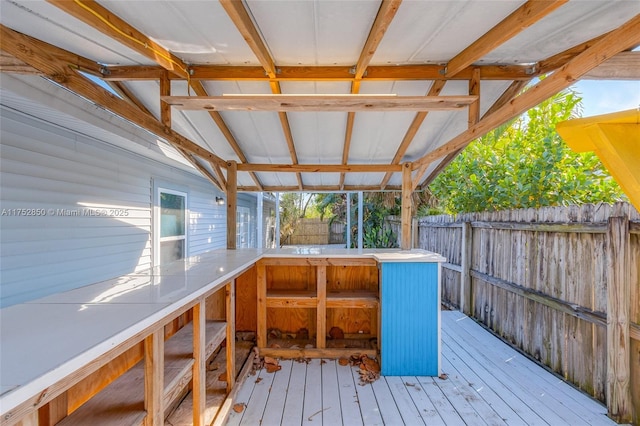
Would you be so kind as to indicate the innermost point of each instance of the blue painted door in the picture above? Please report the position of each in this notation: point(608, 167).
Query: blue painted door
point(410, 314)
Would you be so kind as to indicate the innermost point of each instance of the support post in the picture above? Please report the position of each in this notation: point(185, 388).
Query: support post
point(232, 204)
point(199, 368)
point(348, 220)
point(154, 378)
point(230, 292)
point(360, 213)
point(165, 108)
point(321, 308)
point(465, 275)
point(260, 221)
point(405, 223)
point(261, 315)
point(277, 220)
point(618, 309)
point(474, 89)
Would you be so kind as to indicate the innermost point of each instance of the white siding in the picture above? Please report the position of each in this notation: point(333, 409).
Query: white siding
point(47, 167)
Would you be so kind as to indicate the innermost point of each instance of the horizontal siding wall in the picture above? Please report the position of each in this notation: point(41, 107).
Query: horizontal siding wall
point(66, 174)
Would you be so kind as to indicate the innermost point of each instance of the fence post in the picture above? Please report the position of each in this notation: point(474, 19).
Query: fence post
point(618, 309)
point(465, 276)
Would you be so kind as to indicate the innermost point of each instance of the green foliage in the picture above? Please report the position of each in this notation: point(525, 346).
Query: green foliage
point(525, 164)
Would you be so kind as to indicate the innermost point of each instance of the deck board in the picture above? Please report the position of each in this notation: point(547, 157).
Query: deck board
point(488, 383)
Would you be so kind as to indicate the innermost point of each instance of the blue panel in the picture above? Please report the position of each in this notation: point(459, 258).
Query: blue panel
point(409, 314)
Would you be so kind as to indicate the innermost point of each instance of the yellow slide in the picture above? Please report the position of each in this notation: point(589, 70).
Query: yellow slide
point(615, 138)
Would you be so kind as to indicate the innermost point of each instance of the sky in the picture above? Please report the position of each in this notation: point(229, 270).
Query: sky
point(607, 96)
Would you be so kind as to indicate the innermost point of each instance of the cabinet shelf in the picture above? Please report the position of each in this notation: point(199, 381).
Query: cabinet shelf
point(352, 299)
point(122, 401)
point(291, 299)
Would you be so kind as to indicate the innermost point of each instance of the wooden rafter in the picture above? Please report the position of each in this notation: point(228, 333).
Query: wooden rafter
point(199, 90)
point(526, 15)
point(385, 15)
point(327, 168)
point(288, 136)
point(319, 102)
point(241, 19)
point(318, 188)
point(419, 118)
point(512, 91)
point(111, 25)
point(44, 57)
point(100, 18)
point(625, 36)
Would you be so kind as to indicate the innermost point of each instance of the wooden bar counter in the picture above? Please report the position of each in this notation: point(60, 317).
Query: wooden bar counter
point(61, 354)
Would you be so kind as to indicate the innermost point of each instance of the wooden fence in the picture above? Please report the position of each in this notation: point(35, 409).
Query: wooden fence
point(561, 284)
point(310, 231)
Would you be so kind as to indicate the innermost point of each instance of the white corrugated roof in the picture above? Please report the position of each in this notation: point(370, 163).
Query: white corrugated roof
point(312, 34)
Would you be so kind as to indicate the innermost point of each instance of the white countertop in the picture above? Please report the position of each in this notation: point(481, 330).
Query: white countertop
point(380, 255)
point(43, 341)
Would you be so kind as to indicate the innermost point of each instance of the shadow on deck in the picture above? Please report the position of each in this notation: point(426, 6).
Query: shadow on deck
point(487, 382)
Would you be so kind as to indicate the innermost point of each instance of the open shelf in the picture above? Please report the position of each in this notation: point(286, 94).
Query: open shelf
point(122, 401)
point(352, 299)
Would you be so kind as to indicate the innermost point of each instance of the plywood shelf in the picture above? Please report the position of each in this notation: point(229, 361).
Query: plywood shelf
point(352, 299)
point(122, 402)
point(291, 299)
point(341, 292)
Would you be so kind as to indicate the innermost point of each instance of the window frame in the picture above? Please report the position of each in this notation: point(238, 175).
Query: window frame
point(160, 189)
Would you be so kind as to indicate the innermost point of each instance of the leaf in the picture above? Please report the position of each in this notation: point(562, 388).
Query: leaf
point(239, 408)
point(343, 361)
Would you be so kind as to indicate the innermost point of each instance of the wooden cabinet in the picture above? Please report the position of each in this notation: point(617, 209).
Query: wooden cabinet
point(410, 326)
point(312, 296)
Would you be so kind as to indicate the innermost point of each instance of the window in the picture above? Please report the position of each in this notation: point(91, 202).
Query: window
point(172, 212)
point(243, 227)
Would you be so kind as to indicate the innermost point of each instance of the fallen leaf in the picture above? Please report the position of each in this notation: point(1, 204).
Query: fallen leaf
point(274, 345)
point(343, 361)
point(444, 376)
point(371, 364)
point(223, 377)
point(322, 361)
point(269, 360)
point(238, 408)
point(259, 379)
point(271, 368)
point(302, 334)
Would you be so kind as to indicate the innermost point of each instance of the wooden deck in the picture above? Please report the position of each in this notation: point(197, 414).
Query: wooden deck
point(488, 383)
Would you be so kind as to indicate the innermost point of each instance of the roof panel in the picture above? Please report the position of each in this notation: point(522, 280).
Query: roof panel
point(435, 31)
point(314, 32)
point(198, 32)
point(46, 22)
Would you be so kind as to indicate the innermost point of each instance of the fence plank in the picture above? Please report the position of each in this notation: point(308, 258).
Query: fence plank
point(618, 306)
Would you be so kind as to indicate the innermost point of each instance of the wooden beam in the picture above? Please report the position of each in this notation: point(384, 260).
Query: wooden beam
point(286, 129)
point(105, 21)
point(385, 15)
point(434, 90)
point(10, 64)
point(351, 117)
point(321, 73)
point(321, 188)
point(474, 90)
point(240, 17)
point(319, 103)
point(526, 15)
point(623, 66)
point(165, 108)
point(614, 42)
point(314, 168)
point(512, 91)
point(232, 203)
point(405, 223)
point(45, 58)
point(199, 90)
